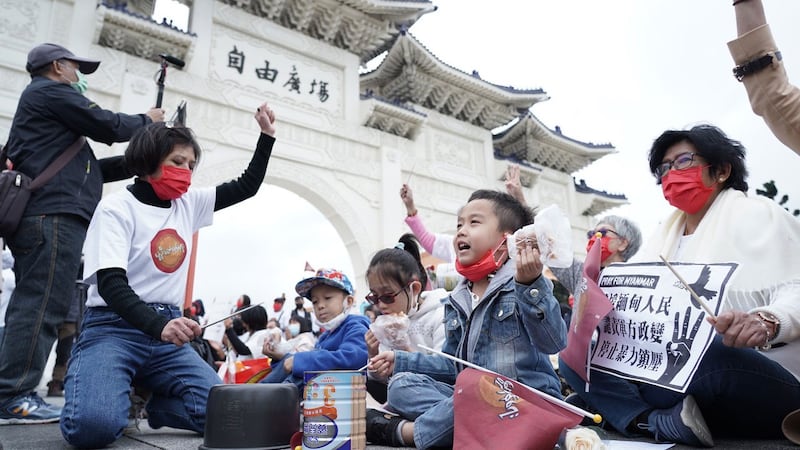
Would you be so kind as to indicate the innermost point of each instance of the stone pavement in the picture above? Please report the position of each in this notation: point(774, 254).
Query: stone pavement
point(48, 437)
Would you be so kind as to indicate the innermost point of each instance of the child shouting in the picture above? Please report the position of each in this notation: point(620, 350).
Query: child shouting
point(501, 316)
point(341, 346)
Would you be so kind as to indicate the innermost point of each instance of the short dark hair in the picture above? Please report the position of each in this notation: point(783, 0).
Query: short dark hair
point(511, 214)
point(712, 145)
point(255, 317)
point(401, 263)
point(153, 143)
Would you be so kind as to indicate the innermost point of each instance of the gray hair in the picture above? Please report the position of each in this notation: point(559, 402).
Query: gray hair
point(627, 230)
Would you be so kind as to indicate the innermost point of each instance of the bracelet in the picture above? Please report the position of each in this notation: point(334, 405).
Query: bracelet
point(755, 65)
point(736, 2)
point(414, 214)
point(767, 344)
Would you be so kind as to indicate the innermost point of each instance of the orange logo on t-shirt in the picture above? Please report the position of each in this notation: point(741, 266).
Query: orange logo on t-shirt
point(168, 250)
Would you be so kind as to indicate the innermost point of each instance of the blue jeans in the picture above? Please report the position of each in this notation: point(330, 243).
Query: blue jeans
point(740, 392)
point(429, 403)
point(278, 374)
point(111, 355)
point(47, 255)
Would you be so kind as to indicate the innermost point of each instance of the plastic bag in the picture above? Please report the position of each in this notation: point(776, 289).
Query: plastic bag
point(246, 371)
point(391, 330)
point(551, 233)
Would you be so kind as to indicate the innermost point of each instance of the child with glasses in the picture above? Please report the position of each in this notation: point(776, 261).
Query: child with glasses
point(410, 313)
point(501, 316)
point(341, 345)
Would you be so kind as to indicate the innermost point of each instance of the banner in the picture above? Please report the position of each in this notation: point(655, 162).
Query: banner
point(591, 305)
point(656, 332)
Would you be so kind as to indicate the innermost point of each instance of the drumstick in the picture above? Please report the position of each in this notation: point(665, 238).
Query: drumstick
point(691, 291)
point(231, 315)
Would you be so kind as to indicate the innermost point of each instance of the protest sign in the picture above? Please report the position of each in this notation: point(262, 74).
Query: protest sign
point(656, 332)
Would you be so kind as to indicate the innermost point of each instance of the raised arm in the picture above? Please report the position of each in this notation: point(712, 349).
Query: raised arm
point(760, 67)
point(513, 184)
point(250, 181)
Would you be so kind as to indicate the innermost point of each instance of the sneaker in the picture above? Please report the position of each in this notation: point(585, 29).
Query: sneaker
point(382, 428)
point(28, 408)
point(681, 424)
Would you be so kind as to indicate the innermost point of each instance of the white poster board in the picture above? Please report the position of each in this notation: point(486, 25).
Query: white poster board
point(656, 332)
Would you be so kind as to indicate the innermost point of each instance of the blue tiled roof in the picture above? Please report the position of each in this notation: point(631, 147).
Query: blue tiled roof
point(371, 95)
point(123, 9)
point(584, 189)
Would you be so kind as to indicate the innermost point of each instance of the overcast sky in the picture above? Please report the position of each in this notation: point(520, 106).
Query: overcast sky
point(619, 72)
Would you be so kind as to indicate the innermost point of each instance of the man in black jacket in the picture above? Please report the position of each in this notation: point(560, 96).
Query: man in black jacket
point(52, 114)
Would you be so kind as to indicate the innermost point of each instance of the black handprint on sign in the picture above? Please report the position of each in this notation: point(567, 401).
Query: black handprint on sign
point(680, 347)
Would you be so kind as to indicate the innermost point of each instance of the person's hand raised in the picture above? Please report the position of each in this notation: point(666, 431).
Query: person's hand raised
point(513, 183)
point(407, 196)
point(266, 119)
point(156, 114)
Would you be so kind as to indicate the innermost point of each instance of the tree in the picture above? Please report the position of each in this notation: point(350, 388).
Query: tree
point(771, 192)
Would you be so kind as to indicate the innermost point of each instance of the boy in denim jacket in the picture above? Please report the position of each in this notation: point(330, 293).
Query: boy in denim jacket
point(502, 316)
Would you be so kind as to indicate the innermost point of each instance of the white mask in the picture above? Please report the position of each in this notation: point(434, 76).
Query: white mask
point(335, 322)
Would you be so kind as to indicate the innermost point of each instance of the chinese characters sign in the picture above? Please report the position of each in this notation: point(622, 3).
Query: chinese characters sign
point(279, 71)
point(656, 332)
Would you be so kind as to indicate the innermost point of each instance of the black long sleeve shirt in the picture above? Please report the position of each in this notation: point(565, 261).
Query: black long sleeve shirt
point(112, 283)
point(50, 116)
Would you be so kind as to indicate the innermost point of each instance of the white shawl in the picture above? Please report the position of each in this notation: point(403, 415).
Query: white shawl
point(764, 240)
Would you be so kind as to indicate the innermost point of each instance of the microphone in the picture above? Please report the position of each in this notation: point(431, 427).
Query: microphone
point(172, 60)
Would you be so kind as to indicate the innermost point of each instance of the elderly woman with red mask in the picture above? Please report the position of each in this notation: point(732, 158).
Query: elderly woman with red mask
point(747, 380)
point(620, 239)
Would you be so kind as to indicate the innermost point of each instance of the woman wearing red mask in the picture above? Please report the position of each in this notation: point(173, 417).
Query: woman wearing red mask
point(620, 239)
point(747, 381)
point(136, 263)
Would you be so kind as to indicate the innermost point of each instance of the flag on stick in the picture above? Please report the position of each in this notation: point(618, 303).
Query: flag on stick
point(591, 306)
point(493, 411)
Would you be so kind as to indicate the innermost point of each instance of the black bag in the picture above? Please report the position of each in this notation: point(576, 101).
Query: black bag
point(16, 187)
point(14, 194)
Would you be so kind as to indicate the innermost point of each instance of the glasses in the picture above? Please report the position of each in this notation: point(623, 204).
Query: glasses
point(603, 231)
point(681, 162)
point(386, 299)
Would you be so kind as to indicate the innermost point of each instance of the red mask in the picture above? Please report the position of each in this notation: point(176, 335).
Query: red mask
point(173, 182)
point(685, 190)
point(604, 251)
point(483, 267)
point(277, 307)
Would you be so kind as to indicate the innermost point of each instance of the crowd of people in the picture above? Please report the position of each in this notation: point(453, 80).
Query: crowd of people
point(488, 302)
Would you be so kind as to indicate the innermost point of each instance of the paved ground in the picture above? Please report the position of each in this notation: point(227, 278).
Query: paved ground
point(48, 437)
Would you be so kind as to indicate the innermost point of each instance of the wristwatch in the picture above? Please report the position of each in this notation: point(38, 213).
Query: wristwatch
point(770, 319)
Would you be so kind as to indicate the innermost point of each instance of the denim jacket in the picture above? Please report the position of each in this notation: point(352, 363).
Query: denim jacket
point(512, 331)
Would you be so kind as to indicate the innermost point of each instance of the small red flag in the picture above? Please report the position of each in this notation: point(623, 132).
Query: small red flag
point(492, 411)
point(592, 306)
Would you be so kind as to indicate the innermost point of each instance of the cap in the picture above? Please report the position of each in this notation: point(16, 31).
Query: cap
point(330, 277)
point(44, 54)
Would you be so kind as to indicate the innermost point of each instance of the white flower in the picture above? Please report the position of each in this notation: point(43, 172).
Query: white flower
point(583, 439)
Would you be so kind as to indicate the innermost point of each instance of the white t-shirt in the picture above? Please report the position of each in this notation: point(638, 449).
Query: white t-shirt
point(255, 342)
point(151, 244)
